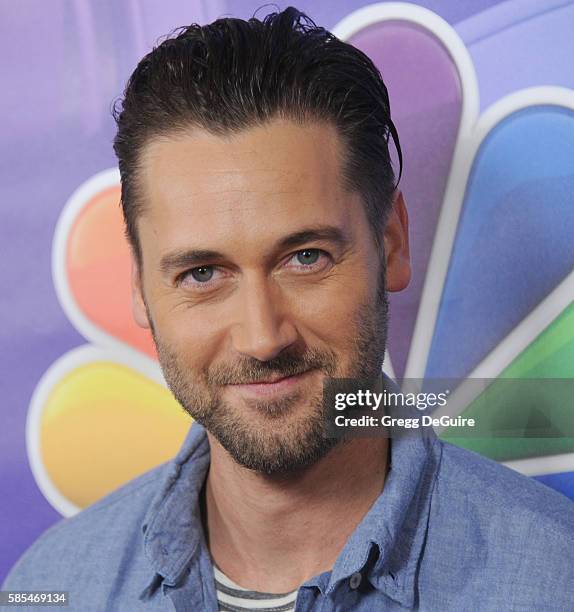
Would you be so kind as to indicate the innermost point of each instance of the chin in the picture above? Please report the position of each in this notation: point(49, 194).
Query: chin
point(286, 441)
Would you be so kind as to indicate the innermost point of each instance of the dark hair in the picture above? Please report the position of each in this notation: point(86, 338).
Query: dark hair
point(234, 74)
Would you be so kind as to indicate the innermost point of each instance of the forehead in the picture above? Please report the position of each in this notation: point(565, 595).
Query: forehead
point(265, 181)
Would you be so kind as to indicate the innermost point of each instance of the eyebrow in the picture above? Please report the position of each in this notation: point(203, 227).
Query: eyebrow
point(188, 258)
point(328, 233)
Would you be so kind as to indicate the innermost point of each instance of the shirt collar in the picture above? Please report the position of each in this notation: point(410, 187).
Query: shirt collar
point(172, 526)
point(392, 532)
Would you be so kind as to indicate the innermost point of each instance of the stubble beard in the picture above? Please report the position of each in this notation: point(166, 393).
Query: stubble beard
point(262, 444)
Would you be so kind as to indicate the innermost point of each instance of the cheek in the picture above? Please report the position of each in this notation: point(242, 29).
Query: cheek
point(329, 314)
point(196, 337)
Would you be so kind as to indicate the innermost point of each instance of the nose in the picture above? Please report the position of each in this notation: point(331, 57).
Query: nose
point(263, 330)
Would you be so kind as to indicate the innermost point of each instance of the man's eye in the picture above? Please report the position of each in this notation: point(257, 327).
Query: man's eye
point(202, 274)
point(309, 260)
point(308, 257)
point(201, 278)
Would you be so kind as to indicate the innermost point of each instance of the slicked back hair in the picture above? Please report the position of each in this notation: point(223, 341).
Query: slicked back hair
point(232, 74)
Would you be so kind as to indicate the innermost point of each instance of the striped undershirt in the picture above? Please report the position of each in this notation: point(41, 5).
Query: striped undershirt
point(233, 598)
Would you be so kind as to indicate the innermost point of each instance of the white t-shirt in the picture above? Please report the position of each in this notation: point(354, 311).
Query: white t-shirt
point(233, 598)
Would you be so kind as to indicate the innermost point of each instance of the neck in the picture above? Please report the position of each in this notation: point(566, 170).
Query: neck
point(272, 533)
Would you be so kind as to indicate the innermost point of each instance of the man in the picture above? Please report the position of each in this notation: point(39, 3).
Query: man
point(266, 229)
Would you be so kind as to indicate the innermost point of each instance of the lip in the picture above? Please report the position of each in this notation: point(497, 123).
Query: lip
point(275, 387)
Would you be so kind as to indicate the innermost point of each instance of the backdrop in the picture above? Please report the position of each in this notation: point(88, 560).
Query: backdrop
point(482, 96)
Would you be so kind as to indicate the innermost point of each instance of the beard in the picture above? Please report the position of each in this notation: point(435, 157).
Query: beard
point(268, 437)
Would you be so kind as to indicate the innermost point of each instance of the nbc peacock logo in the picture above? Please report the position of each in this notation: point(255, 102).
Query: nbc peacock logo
point(492, 220)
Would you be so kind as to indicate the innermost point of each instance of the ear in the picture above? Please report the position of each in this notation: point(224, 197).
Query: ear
point(138, 303)
point(396, 243)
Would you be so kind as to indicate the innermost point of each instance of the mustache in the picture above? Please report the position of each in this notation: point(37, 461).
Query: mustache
point(251, 371)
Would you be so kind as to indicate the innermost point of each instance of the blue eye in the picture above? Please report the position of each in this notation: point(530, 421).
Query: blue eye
point(308, 257)
point(202, 274)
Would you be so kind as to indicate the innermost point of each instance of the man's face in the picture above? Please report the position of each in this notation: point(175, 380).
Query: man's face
point(260, 277)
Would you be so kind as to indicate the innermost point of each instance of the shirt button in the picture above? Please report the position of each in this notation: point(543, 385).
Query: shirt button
point(355, 580)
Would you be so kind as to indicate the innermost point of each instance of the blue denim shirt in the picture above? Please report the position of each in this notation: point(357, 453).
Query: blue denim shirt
point(450, 531)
